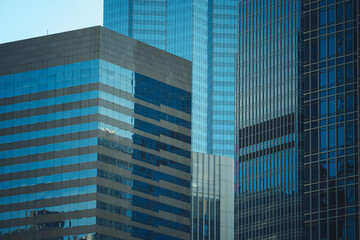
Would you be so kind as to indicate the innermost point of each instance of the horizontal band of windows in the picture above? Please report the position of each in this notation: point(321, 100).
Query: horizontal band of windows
point(147, 234)
point(49, 124)
point(138, 109)
point(38, 96)
point(114, 177)
point(277, 127)
point(68, 176)
point(157, 130)
point(71, 98)
point(143, 203)
point(157, 161)
point(121, 97)
point(48, 194)
point(157, 146)
point(114, 225)
point(48, 79)
point(157, 115)
point(69, 223)
point(144, 157)
point(156, 222)
point(79, 206)
point(49, 132)
point(137, 124)
point(270, 143)
point(48, 148)
point(158, 206)
point(114, 193)
point(157, 191)
point(49, 117)
point(50, 155)
point(267, 151)
point(150, 3)
point(79, 106)
point(48, 163)
point(148, 89)
point(44, 141)
point(136, 169)
point(79, 236)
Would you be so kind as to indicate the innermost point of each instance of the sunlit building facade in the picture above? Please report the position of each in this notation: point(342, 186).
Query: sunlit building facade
point(212, 190)
point(95, 139)
point(204, 32)
point(331, 120)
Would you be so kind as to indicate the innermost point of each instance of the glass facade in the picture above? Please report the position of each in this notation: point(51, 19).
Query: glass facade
point(212, 197)
point(93, 149)
point(204, 32)
point(268, 178)
point(331, 120)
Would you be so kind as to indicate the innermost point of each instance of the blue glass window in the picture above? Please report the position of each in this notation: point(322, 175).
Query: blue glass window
point(340, 12)
point(331, 77)
point(331, 15)
point(340, 75)
point(331, 46)
point(322, 16)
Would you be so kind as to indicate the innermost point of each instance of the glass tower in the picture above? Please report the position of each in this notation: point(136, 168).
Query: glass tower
point(269, 121)
point(331, 120)
point(203, 31)
point(95, 139)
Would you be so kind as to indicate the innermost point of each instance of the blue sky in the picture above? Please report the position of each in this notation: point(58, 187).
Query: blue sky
point(21, 19)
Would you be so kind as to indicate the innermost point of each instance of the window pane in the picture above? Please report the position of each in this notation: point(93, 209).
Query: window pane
point(340, 12)
point(322, 79)
point(340, 104)
point(331, 15)
point(340, 43)
point(332, 107)
point(349, 73)
point(340, 76)
point(323, 139)
point(322, 17)
point(332, 137)
point(323, 108)
point(331, 46)
point(322, 48)
point(331, 77)
point(349, 42)
point(340, 135)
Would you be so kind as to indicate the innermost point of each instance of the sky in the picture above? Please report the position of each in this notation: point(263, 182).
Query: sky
point(22, 19)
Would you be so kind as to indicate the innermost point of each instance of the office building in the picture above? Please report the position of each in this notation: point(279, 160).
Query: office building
point(269, 121)
point(95, 139)
point(212, 197)
point(331, 119)
point(204, 32)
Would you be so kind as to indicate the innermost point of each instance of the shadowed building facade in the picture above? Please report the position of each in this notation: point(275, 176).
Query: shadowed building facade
point(269, 121)
point(95, 139)
point(331, 119)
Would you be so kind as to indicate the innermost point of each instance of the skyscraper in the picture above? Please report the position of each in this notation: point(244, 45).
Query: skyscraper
point(203, 31)
point(269, 121)
point(331, 119)
point(95, 139)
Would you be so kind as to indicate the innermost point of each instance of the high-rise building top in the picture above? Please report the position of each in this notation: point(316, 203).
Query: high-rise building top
point(95, 139)
point(204, 32)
